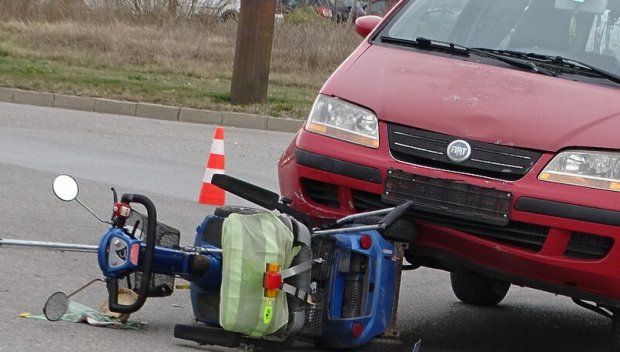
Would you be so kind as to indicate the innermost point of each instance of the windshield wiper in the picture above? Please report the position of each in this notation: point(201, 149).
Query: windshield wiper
point(580, 66)
point(428, 44)
point(438, 45)
point(593, 69)
point(521, 61)
point(561, 62)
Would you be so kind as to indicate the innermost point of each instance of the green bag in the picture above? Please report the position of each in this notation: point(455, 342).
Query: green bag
point(249, 242)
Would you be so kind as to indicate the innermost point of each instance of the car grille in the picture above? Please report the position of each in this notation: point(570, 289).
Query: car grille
point(429, 149)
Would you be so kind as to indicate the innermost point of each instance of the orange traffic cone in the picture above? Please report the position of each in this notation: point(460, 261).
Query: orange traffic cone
point(209, 193)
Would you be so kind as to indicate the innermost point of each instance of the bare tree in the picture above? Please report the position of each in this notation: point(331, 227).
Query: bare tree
point(173, 7)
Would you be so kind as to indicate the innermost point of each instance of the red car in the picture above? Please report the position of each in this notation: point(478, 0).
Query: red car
point(500, 120)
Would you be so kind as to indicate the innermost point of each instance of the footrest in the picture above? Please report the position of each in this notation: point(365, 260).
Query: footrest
point(207, 335)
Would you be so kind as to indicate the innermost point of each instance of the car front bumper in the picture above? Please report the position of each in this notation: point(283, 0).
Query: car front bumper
point(559, 238)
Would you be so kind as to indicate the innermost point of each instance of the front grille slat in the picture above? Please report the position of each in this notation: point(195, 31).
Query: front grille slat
point(497, 164)
point(419, 149)
point(511, 155)
point(487, 159)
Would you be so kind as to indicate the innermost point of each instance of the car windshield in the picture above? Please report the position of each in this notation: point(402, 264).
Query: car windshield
point(583, 30)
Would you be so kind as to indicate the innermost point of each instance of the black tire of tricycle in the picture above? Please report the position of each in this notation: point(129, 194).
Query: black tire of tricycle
point(226, 210)
point(400, 231)
point(615, 332)
point(478, 290)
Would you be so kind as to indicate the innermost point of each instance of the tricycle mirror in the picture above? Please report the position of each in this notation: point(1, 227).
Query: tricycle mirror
point(56, 306)
point(65, 188)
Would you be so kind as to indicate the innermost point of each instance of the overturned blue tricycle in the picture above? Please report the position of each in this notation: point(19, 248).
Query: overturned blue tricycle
point(259, 276)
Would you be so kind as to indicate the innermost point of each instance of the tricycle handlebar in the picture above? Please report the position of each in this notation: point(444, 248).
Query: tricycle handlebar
point(147, 261)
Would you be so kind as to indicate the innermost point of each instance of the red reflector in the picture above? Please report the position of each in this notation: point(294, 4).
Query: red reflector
point(134, 253)
point(357, 329)
point(365, 241)
point(272, 280)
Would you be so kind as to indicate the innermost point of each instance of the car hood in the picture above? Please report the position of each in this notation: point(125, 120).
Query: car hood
point(478, 101)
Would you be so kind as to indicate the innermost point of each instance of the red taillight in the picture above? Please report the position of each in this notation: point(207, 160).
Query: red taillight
point(357, 329)
point(365, 241)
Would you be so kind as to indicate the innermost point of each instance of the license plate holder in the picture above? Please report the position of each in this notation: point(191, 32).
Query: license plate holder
point(448, 198)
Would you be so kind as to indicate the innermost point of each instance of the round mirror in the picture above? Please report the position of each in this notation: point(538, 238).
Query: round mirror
point(65, 188)
point(56, 306)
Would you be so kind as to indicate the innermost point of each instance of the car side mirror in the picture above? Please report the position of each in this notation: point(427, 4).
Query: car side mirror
point(366, 24)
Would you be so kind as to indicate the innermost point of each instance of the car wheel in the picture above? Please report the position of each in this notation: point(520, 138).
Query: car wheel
point(478, 290)
point(224, 211)
point(615, 332)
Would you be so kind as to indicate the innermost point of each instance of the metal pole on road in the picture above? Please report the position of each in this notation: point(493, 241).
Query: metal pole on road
point(50, 245)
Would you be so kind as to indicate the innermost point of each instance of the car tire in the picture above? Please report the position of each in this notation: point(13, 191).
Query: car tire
point(478, 290)
point(615, 332)
point(226, 210)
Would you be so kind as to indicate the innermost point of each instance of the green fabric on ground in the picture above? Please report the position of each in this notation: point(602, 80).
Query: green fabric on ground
point(79, 313)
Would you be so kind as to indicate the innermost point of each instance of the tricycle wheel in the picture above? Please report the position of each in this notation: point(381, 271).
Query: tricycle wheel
point(226, 210)
point(478, 290)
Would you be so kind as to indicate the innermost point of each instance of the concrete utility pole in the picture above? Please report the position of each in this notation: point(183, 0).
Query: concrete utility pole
point(253, 51)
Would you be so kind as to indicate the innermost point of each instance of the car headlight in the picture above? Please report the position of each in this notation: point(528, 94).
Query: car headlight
point(338, 119)
point(594, 169)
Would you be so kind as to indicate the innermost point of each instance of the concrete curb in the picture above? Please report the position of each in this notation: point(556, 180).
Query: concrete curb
point(155, 111)
point(74, 103)
point(33, 98)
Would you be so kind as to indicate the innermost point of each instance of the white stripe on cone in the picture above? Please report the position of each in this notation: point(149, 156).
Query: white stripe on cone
point(209, 174)
point(217, 147)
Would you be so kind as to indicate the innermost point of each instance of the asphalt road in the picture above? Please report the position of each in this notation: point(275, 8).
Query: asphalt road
point(165, 161)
